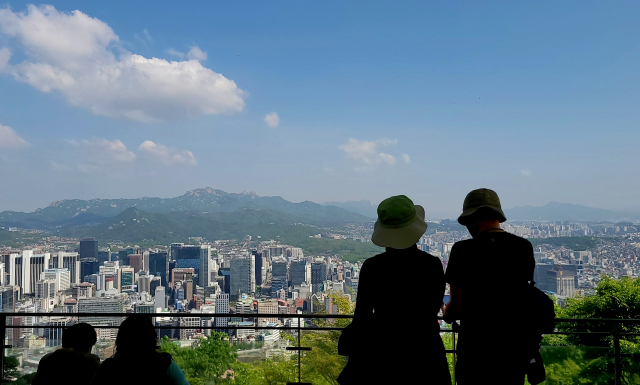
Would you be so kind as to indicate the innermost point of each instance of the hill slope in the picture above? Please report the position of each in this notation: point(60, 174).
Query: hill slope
point(554, 211)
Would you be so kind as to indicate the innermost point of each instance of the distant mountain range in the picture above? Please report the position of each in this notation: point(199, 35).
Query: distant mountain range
point(554, 211)
point(78, 213)
point(363, 207)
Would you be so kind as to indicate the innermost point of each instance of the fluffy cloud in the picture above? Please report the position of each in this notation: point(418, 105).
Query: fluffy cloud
point(272, 120)
point(73, 54)
point(9, 138)
point(368, 152)
point(167, 155)
point(102, 151)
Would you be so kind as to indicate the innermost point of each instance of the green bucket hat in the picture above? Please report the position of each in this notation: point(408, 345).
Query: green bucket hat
point(400, 223)
point(481, 198)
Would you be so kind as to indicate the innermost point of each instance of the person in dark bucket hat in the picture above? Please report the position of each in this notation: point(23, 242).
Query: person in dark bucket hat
point(399, 227)
point(480, 200)
point(491, 257)
point(400, 223)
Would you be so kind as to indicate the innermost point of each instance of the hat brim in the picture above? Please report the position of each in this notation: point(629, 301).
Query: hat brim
point(464, 217)
point(403, 237)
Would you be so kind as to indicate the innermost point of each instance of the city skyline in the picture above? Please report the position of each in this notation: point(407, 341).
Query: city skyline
point(321, 102)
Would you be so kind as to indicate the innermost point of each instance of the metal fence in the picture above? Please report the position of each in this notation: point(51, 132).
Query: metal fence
point(614, 324)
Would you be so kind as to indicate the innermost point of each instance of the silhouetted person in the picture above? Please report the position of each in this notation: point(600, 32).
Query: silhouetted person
point(73, 364)
point(491, 268)
point(383, 345)
point(137, 360)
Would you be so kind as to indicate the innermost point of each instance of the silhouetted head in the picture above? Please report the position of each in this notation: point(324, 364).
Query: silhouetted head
point(481, 209)
point(400, 223)
point(80, 336)
point(136, 335)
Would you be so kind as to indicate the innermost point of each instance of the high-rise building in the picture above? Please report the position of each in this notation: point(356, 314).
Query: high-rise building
point(242, 276)
point(8, 298)
point(60, 276)
point(181, 275)
point(88, 266)
point(144, 283)
point(126, 277)
point(318, 276)
point(267, 307)
point(258, 271)
point(279, 268)
point(136, 262)
point(158, 264)
point(104, 256)
point(222, 307)
point(33, 266)
point(160, 299)
point(102, 305)
point(88, 248)
point(70, 261)
point(298, 272)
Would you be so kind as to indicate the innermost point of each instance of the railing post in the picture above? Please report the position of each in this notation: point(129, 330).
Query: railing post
point(3, 333)
point(616, 352)
point(299, 353)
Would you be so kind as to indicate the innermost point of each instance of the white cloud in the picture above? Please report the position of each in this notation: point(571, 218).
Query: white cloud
point(196, 53)
point(272, 119)
point(73, 54)
point(147, 35)
point(367, 152)
point(406, 158)
point(525, 172)
point(174, 52)
point(101, 151)
point(58, 166)
point(9, 138)
point(5, 55)
point(167, 155)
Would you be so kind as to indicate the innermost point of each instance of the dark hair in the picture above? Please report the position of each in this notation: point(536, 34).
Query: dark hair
point(79, 336)
point(136, 334)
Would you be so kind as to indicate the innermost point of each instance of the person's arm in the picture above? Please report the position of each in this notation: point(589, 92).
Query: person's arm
point(176, 374)
point(452, 310)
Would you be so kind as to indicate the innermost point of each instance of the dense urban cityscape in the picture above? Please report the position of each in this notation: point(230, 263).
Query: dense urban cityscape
point(63, 276)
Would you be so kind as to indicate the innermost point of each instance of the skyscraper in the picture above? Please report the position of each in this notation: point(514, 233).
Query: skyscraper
point(258, 267)
point(222, 307)
point(70, 261)
point(195, 257)
point(136, 262)
point(318, 276)
point(126, 276)
point(242, 276)
point(298, 272)
point(88, 266)
point(88, 248)
point(158, 263)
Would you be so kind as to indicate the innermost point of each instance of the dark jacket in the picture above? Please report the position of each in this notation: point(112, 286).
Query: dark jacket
point(66, 366)
point(385, 343)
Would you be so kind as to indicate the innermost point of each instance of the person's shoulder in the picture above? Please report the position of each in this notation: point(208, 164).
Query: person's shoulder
point(516, 239)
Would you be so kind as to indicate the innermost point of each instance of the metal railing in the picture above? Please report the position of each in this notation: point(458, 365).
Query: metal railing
point(615, 331)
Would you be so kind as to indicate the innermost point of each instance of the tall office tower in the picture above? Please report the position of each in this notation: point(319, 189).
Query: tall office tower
point(136, 262)
point(70, 261)
point(561, 282)
point(14, 269)
point(170, 266)
point(298, 272)
point(158, 265)
point(295, 253)
point(45, 294)
point(3, 276)
point(275, 251)
point(181, 275)
point(195, 257)
point(257, 256)
point(318, 276)
point(160, 299)
point(126, 277)
point(204, 275)
point(104, 256)
point(54, 328)
point(61, 277)
point(102, 305)
point(88, 266)
point(88, 248)
point(144, 283)
point(32, 267)
point(8, 299)
point(222, 307)
point(97, 280)
point(153, 285)
point(189, 289)
point(242, 276)
point(267, 307)
point(279, 268)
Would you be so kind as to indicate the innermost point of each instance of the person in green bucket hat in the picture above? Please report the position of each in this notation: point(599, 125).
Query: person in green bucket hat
point(414, 273)
point(487, 276)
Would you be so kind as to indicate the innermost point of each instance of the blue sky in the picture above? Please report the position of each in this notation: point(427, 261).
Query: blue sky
point(538, 101)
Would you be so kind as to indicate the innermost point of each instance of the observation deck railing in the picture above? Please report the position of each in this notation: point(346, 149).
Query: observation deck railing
point(614, 325)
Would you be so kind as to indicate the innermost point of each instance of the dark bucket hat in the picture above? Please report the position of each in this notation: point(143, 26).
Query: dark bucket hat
point(481, 198)
point(400, 223)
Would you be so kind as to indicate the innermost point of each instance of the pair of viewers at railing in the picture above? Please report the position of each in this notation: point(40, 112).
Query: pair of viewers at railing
point(135, 360)
point(399, 226)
